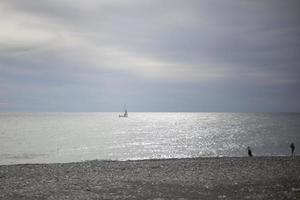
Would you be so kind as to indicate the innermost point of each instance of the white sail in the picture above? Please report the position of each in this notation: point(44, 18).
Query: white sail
point(125, 112)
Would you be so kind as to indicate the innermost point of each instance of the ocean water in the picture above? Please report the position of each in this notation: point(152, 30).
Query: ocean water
point(70, 137)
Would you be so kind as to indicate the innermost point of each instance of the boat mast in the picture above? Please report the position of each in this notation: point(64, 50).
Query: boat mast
point(125, 114)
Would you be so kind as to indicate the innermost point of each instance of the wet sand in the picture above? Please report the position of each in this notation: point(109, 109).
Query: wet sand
point(190, 178)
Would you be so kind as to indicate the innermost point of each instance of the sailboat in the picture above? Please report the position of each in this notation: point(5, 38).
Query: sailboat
point(125, 113)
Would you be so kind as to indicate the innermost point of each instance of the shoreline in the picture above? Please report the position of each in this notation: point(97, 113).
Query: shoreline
point(264, 177)
point(153, 159)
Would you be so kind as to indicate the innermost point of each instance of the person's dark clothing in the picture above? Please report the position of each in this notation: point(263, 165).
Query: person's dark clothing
point(249, 152)
point(292, 148)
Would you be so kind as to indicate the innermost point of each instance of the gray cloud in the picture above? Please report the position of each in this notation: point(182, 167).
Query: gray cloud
point(117, 51)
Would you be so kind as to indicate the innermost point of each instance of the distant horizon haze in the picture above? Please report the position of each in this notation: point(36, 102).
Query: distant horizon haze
point(134, 111)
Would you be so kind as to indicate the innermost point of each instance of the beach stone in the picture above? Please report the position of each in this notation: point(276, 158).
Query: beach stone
point(192, 178)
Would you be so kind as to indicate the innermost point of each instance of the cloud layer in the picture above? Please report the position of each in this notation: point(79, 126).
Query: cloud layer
point(170, 55)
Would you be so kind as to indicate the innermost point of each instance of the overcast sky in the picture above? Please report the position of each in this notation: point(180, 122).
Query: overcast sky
point(152, 55)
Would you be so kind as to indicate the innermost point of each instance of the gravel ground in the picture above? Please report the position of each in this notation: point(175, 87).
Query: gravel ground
point(190, 178)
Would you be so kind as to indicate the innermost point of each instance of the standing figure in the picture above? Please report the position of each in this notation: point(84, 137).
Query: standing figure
point(292, 148)
point(249, 152)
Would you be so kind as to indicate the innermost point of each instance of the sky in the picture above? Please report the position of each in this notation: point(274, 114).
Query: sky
point(152, 55)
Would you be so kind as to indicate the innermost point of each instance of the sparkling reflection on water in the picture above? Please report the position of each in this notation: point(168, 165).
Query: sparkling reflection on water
point(68, 137)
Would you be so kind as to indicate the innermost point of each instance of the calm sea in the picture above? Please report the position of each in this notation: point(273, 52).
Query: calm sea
point(68, 137)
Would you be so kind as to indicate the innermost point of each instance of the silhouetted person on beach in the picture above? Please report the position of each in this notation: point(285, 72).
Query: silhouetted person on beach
point(249, 152)
point(292, 148)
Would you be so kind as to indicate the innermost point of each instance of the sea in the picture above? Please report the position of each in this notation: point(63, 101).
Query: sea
point(72, 137)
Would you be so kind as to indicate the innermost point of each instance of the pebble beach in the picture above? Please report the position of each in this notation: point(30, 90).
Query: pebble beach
point(187, 178)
